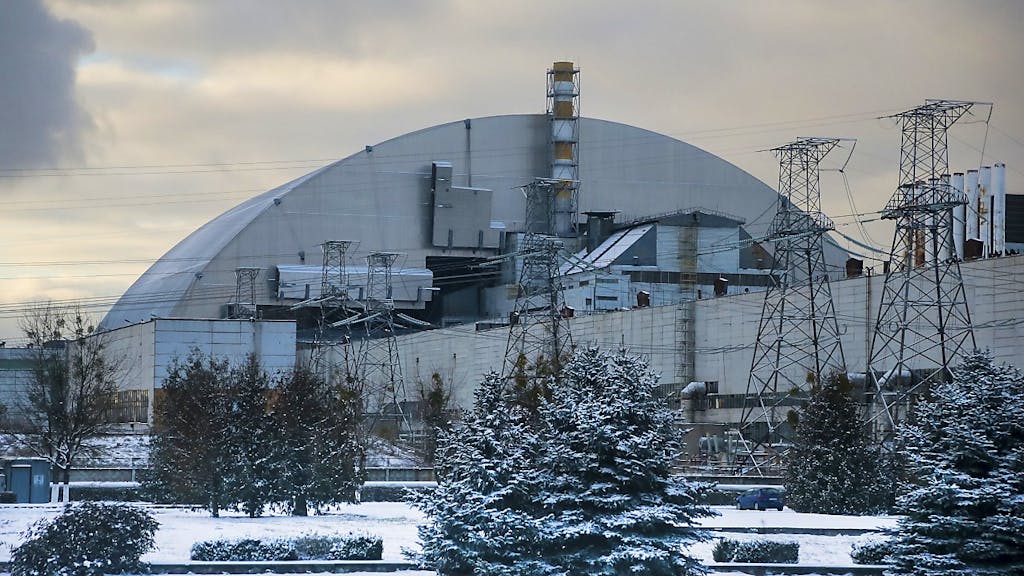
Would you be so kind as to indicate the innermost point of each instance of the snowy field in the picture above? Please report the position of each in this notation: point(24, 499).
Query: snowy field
point(396, 523)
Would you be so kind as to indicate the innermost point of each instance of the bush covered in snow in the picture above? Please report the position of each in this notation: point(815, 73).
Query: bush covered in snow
point(871, 552)
point(756, 551)
point(244, 550)
point(349, 547)
point(357, 547)
point(88, 539)
point(964, 506)
point(305, 547)
point(579, 482)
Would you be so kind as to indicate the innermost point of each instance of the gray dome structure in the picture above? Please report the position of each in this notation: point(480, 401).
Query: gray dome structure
point(381, 199)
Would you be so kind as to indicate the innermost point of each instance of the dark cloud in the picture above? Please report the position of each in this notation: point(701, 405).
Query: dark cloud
point(42, 122)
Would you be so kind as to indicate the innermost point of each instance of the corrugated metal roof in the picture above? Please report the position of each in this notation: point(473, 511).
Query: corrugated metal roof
point(604, 255)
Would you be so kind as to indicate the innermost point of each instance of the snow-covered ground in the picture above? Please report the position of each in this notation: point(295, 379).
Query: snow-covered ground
point(396, 523)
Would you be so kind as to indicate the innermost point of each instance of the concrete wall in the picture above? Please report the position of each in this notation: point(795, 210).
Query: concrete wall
point(147, 351)
point(726, 329)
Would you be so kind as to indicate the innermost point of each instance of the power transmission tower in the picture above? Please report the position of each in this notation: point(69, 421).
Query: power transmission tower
point(244, 305)
point(379, 367)
point(538, 328)
point(923, 320)
point(334, 298)
point(798, 341)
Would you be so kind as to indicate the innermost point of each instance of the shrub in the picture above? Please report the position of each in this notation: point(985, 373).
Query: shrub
point(305, 547)
point(245, 550)
point(358, 547)
point(871, 552)
point(89, 539)
point(314, 546)
point(756, 551)
point(724, 550)
point(105, 494)
point(8, 497)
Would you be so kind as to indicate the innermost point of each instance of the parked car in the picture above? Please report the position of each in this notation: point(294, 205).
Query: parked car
point(760, 499)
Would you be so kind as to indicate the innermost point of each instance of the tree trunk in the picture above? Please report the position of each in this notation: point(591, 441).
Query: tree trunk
point(300, 508)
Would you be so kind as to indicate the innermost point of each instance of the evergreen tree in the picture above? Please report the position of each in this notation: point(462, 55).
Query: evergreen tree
point(319, 453)
point(435, 411)
point(964, 515)
point(190, 452)
point(253, 472)
point(832, 468)
point(583, 485)
point(484, 516)
point(615, 506)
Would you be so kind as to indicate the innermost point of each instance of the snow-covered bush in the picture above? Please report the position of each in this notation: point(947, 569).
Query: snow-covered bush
point(871, 552)
point(88, 539)
point(244, 550)
point(580, 484)
point(756, 551)
point(305, 547)
point(964, 504)
point(831, 469)
point(357, 547)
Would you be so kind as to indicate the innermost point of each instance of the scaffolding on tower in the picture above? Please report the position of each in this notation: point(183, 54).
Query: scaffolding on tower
point(923, 323)
point(563, 106)
point(798, 340)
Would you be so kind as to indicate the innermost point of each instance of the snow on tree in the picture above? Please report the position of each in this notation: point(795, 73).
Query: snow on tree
point(611, 441)
point(319, 452)
point(964, 511)
point(190, 453)
point(831, 468)
point(250, 429)
point(583, 485)
point(483, 518)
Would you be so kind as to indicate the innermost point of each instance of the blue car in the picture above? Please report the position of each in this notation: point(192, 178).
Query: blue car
point(760, 499)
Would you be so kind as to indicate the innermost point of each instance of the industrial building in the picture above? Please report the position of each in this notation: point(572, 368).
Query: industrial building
point(662, 249)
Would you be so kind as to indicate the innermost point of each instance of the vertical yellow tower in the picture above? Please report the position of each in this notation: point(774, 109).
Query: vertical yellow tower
point(563, 112)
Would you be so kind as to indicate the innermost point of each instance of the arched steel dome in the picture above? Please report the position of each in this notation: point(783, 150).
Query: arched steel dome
point(381, 199)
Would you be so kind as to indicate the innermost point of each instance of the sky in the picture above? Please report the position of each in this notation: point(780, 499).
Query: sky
point(126, 125)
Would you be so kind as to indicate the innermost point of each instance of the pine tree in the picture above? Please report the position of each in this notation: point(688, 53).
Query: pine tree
point(252, 475)
point(190, 452)
point(831, 467)
point(580, 485)
point(484, 516)
point(319, 453)
point(964, 514)
point(615, 506)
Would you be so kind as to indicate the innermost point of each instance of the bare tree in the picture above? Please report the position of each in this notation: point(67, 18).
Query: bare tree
point(72, 387)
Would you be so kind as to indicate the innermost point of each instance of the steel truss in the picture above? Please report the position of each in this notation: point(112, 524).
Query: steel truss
point(379, 366)
point(538, 328)
point(798, 339)
point(923, 319)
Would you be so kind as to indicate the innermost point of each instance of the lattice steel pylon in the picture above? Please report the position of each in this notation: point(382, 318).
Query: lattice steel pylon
point(798, 340)
point(379, 366)
point(538, 328)
point(923, 319)
point(334, 298)
point(244, 305)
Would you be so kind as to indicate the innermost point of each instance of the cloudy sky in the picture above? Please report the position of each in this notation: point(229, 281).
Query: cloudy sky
point(125, 125)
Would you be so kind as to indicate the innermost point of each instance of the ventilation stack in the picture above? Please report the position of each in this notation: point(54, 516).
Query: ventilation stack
point(999, 209)
point(563, 111)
